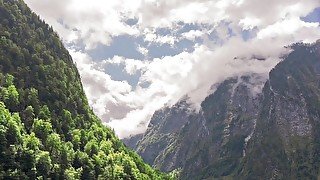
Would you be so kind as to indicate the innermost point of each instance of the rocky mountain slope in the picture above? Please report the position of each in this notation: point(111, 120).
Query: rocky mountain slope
point(47, 129)
point(286, 139)
point(242, 134)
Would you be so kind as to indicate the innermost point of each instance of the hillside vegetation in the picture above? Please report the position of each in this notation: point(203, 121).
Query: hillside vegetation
point(47, 129)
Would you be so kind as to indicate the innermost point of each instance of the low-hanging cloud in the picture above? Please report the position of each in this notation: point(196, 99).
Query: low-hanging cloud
point(222, 53)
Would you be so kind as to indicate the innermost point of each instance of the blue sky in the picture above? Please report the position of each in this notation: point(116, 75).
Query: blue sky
point(314, 16)
point(137, 56)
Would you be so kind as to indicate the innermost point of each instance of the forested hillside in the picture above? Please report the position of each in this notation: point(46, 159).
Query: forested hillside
point(47, 129)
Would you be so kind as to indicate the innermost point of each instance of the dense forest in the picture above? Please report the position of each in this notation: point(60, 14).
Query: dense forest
point(47, 129)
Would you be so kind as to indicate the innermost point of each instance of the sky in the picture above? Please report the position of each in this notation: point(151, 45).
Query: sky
point(137, 56)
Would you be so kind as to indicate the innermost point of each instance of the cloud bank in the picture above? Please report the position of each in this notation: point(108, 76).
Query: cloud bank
point(229, 38)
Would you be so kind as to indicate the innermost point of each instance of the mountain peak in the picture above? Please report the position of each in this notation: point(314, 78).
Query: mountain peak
point(247, 126)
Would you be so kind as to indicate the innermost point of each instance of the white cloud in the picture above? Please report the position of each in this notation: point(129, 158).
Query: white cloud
point(143, 50)
point(152, 37)
point(105, 95)
point(99, 21)
point(292, 26)
point(128, 109)
point(91, 22)
point(192, 34)
point(248, 23)
point(172, 77)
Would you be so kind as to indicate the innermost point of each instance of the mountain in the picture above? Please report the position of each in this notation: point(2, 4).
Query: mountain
point(246, 129)
point(47, 129)
point(286, 139)
point(226, 119)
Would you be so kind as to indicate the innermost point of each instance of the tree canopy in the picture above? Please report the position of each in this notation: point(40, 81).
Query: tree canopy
point(47, 129)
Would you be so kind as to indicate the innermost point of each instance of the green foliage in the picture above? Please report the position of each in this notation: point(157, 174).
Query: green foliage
point(9, 93)
point(47, 129)
point(42, 129)
point(28, 117)
point(9, 80)
point(71, 173)
point(43, 164)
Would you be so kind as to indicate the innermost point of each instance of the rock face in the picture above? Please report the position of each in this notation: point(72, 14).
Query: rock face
point(162, 132)
point(181, 138)
point(286, 140)
point(239, 133)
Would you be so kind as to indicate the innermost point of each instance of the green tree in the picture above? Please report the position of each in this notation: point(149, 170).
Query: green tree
point(13, 96)
point(14, 131)
point(42, 129)
point(53, 145)
point(43, 164)
point(67, 155)
point(31, 142)
point(91, 147)
point(72, 173)
point(9, 80)
point(28, 117)
point(44, 113)
point(32, 99)
point(76, 139)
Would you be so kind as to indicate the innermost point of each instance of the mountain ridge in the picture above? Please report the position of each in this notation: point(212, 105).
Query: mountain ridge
point(238, 124)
